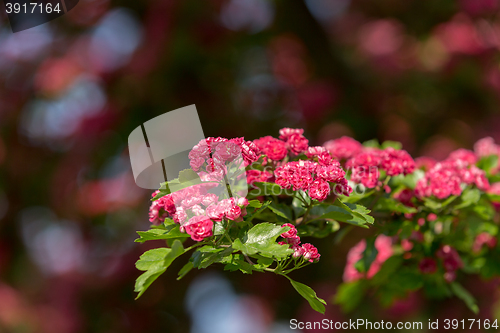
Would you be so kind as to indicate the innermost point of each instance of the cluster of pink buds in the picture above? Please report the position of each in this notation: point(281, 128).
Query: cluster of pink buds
point(195, 210)
point(451, 262)
point(446, 178)
point(211, 155)
point(383, 244)
point(483, 239)
point(313, 177)
point(365, 165)
point(307, 251)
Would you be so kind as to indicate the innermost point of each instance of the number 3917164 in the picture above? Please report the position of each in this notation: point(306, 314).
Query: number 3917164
point(32, 8)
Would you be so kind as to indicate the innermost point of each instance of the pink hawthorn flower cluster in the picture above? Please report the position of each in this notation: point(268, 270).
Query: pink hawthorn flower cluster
point(209, 156)
point(446, 178)
point(313, 177)
point(366, 162)
point(343, 148)
point(195, 209)
point(308, 251)
point(365, 166)
point(383, 244)
point(451, 262)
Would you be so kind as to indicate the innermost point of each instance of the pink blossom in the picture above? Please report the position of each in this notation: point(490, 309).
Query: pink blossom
point(294, 139)
point(444, 178)
point(273, 148)
point(431, 217)
point(290, 233)
point(166, 202)
point(196, 163)
point(297, 143)
point(315, 151)
point(342, 188)
point(258, 176)
point(242, 201)
point(293, 241)
point(199, 227)
point(494, 188)
point(227, 151)
point(427, 266)
point(191, 201)
point(197, 210)
point(326, 159)
point(343, 148)
point(234, 212)
point(450, 276)
point(310, 252)
point(482, 239)
point(486, 147)
point(406, 245)
point(425, 163)
point(249, 150)
point(156, 213)
point(384, 246)
point(262, 142)
point(396, 162)
point(298, 251)
point(331, 173)
point(319, 190)
point(209, 199)
point(286, 133)
point(464, 155)
point(405, 196)
point(298, 174)
point(215, 212)
point(180, 216)
point(365, 168)
point(450, 257)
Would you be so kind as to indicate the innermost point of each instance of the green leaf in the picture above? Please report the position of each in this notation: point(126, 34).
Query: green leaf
point(392, 205)
point(369, 255)
point(207, 255)
point(388, 268)
point(161, 193)
point(432, 204)
point(392, 144)
point(484, 209)
point(371, 143)
point(171, 231)
point(318, 230)
point(185, 269)
point(469, 197)
point(218, 228)
point(155, 262)
point(315, 302)
point(254, 204)
point(262, 239)
point(350, 294)
point(465, 296)
point(408, 181)
point(356, 209)
point(251, 215)
point(488, 163)
point(238, 262)
point(343, 212)
point(187, 175)
point(281, 210)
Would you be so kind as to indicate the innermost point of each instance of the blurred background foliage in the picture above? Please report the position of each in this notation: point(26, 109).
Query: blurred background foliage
point(426, 73)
